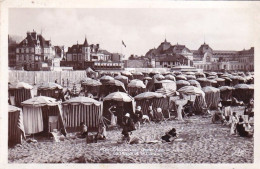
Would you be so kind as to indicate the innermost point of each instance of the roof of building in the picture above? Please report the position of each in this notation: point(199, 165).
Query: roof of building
point(32, 38)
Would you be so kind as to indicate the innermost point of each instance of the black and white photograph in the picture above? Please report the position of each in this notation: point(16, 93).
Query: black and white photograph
point(131, 85)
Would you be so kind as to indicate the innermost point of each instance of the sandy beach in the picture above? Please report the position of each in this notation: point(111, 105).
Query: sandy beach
point(199, 141)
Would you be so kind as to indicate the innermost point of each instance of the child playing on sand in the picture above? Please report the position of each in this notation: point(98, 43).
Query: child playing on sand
point(169, 136)
point(84, 130)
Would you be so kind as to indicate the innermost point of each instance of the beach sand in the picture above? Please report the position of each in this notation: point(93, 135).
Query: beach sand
point(199, 141)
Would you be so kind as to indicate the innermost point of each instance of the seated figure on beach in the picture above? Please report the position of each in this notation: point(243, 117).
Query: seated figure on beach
point(243, 129)
point(83, 130)
point(158, 115)
point(138, 116)
point(170, 135)
point(101, 131)
point(188, 108)
point(128, 126)
point(151, 113)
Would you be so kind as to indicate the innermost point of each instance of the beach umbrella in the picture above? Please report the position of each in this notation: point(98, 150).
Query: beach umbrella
point(159, 77)
point(106, 78)
point(19, 92)
point(148, 95)
point(126, 73)
point(82, 100)
point(50, 90)
point(155, 72)
point(180, 77)
point(118, 96)
point(203, 82)
point(181, 83)
point(213, 83)
point(190, 73)
point(137, 73)
point(220, 81)
point(91, 82)
point(194, 83)
point(211, 77)
point(244, 92)
point(212, 96)
point(177, 73)
point(234, 74)
point(191, 77)
point(121, 77)
point(168, 88)
point(213, 74)
point(20, 85)
point(191, 90)
point(226, 93)
point(200, 75)
point(136, 87)
point(40, 101)
point(170, 77)
point(136, 83)
point(50, 85)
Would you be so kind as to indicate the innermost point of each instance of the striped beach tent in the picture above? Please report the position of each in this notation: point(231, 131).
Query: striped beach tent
point(196, 95)
point(244, 92)
point(152, 98)
point(123, 79)
point(81, 109)
point(194, 83)
point(182, 83)
point(138, 75)
point(15, 125)
point(37, 113)
point(226, 93)
point(92, 86)
point(123, 102)
point(136, 87)
point(212, 96)
point(50, 89)
point(19, 92)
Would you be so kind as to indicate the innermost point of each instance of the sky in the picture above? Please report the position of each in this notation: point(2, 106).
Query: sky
point(140, 29)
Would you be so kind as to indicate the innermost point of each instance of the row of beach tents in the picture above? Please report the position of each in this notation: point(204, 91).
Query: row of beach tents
point(38, 114)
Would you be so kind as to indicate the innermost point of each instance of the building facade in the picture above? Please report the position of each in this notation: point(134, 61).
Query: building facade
point(82, 56)
point(169, 56)
point(34, 53)
point(222, 60)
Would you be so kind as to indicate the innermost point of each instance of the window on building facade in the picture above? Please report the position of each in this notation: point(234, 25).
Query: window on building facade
point(22, 51)
point(32, 50)
point(161, 63)
point(27, 50)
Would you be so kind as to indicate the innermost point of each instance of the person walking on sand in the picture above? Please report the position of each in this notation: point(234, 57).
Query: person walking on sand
point(234, 121)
